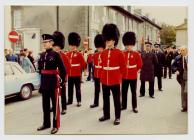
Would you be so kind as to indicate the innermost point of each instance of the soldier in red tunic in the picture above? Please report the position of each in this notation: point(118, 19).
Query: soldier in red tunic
point(133, 65)
point(99, 44)
point(77, 63)
point(59, 42)
point(113, 65)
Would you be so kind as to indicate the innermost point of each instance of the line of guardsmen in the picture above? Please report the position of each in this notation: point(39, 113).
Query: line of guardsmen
point(114, 70)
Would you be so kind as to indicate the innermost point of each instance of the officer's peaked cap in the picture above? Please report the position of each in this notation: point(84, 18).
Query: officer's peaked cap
point(148, 42)
point(47, 37)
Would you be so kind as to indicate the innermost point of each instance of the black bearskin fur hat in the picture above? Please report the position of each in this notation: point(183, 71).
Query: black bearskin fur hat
point(129, 38)
point(59, 39)
point(74, 39)
point(98, 41)
point(111, 32)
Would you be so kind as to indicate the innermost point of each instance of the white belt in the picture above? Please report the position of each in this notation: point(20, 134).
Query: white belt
point(111, 68)
point(98, 66)
point(75, 65)
point(132, 66)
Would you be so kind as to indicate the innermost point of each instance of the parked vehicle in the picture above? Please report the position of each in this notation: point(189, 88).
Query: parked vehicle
point(18, 82)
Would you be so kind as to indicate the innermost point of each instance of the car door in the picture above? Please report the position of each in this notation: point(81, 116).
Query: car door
point(12, 79)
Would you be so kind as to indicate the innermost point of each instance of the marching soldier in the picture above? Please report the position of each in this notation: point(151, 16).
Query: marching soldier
point(50, 66)
point(159, 67)
point(99, 44)
point(168, 60)
point(113, 64)
point(77, 63)
point(134, 64)
point(59, 42)
point(149, 60)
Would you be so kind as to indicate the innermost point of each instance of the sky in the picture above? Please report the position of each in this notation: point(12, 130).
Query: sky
point(171, 15)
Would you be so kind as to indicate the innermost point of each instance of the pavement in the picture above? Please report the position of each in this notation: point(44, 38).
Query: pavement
point(161, 115)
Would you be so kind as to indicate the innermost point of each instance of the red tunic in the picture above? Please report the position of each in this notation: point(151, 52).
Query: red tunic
point(133, 64)
point(97, 65)
point(113, 64)
point(90, 58)
point(77, 63)
point(65, 62)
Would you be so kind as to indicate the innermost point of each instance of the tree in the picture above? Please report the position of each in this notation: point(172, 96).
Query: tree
point(167, 34)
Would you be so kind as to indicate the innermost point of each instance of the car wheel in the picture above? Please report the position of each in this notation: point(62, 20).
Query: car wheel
point(26, 92)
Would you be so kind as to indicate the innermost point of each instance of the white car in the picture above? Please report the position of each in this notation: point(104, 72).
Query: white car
point(17, 81)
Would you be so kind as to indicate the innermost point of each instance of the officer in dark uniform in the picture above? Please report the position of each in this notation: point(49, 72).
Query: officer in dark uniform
point(50, 64)
point(159, 67)
point(168, 60)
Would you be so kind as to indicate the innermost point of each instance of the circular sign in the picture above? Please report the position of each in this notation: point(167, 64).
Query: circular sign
point(13, 36)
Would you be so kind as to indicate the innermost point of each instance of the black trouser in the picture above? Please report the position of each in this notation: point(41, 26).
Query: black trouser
point(106, 100)
point(151, 88)
point(159, 82)
point(133, 86)
point(97, 90)
point(46, 96)
point(71, 82)
point(90, 71)
point(63, 97)
point(169, 71)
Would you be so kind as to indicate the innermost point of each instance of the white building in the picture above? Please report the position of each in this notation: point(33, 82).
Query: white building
point(86, 20)
point(182, 34)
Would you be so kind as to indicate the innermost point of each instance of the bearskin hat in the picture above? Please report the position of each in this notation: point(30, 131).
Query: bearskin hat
point(59, 39)
point(98, 41)
point(129, 38)
point(111, 32)
point(74, 39)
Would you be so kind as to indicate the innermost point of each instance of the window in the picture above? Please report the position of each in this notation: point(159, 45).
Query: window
point(17, 19)
point(16, 71)
point(8, 70)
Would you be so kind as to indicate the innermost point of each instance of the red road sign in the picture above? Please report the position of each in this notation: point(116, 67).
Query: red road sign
point(13, 36)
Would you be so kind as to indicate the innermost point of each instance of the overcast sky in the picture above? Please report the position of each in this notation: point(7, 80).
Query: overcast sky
point(171, 15)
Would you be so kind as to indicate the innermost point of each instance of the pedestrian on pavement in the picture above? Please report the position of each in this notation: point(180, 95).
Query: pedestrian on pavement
point(90, 65)
point(50, 67)
point(168, 62)
point(59, 43)
point(180, 67)
point(113, 64)
point(31, 58)
point(11, 56)
point(133, 65)
point(149, 60)
point(100, 46)
point(158, 70)
point(77, 63)
point(26, 63)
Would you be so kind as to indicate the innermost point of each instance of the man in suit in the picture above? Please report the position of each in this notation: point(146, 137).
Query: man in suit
point(149, 60)
point(168, 60)
point(180, 67)
point(159, 67)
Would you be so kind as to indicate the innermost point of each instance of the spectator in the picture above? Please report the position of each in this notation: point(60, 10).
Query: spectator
point(11, 57)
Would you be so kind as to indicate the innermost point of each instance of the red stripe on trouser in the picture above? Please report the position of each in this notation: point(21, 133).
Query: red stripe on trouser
point(57, 113)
